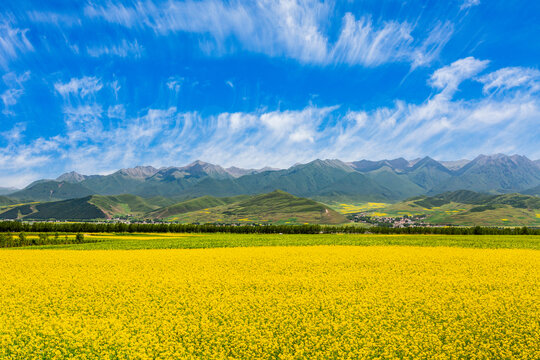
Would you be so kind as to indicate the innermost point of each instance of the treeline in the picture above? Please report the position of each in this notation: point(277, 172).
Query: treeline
point(15, 226)
point(22, 239)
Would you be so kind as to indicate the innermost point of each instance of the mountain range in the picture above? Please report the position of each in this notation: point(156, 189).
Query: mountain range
point(323, 180)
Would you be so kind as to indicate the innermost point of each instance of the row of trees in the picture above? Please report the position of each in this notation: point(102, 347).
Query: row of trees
point(22, 239)
point(15, 226)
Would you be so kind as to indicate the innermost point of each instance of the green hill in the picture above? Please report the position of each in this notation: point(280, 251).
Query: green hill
point(460, 196)
point(86, 208)
point(73, 209)
point(122, 205)
point(196, 204)
point(274, 207)
point(4, 200)
point(277, 206)
point(533, 191)
point(469, 208)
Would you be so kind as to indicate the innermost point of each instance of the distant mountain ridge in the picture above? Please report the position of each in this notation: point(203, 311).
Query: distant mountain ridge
point(7, 190)
point(323, 180)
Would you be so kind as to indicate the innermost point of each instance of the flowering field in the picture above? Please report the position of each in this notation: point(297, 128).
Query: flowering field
point(318, 302)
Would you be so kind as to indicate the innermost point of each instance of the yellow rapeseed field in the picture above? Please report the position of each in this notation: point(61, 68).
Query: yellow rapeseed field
point(351, 208)
point(270, 303)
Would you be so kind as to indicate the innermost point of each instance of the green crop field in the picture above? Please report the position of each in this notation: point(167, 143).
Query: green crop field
point(193, 241)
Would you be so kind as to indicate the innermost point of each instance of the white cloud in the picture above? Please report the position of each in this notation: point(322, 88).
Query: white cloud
point(115, 88)
point(297, 29)
point(430, 48)
point(511, 77)
point(15, 134)
point(49, 17)
point(9, 98)
point(449, 77)
point(123, 49)
point(174, 83)
point(116, 112)
point(469, 3)
point(15, 90)
point(440, 126)
point(83, 122)
point(11, 79)
point(13, 42)
point(79, 86)
point(360, 42)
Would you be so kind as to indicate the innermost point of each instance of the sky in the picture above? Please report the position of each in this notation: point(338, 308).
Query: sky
point(95, 86)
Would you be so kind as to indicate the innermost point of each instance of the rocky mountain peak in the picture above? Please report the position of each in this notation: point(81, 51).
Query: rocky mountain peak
point(71, 177)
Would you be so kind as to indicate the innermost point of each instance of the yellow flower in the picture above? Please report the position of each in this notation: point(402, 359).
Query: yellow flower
point(315, 302)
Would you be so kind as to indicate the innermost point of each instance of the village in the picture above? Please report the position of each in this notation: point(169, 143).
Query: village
point(389, 221)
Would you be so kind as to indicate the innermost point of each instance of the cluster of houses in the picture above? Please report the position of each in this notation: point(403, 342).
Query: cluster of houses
point(398, 222)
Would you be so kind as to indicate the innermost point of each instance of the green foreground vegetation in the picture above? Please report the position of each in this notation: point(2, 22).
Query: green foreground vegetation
point(220, 240)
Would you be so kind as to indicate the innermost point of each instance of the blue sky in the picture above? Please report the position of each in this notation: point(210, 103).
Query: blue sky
point(94, 86)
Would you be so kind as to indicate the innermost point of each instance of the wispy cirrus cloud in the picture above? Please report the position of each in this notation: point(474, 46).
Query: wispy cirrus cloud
point(13, 42)
point(122, 49)
point(297, 29)
point(15, 89)
point(449, 77)
point(510, 78)
point(469, 3)
point(361, 42)
point(79, 86)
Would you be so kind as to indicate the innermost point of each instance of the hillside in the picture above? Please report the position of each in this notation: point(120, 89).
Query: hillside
point(51, 190)
point(73, 209)
point(122, 205)
point(192, 205)
point(277, 206)
point(468, 208)
point(533, 191)
point(4, 200)
point(428, 173)
point(87, 208)
point(274, 207)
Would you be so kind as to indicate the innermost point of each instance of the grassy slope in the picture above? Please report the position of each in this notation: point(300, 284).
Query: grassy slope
point(16, 212)
point(275, 207)
point(74, 209)
point(534, 191)
point(4, 201)
point(400, 184)
point(200, 203)
point(160, 201)
point(470, 208)
point(52, 190)
point(190, 241)
point(122, 205)
point(88, 208)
